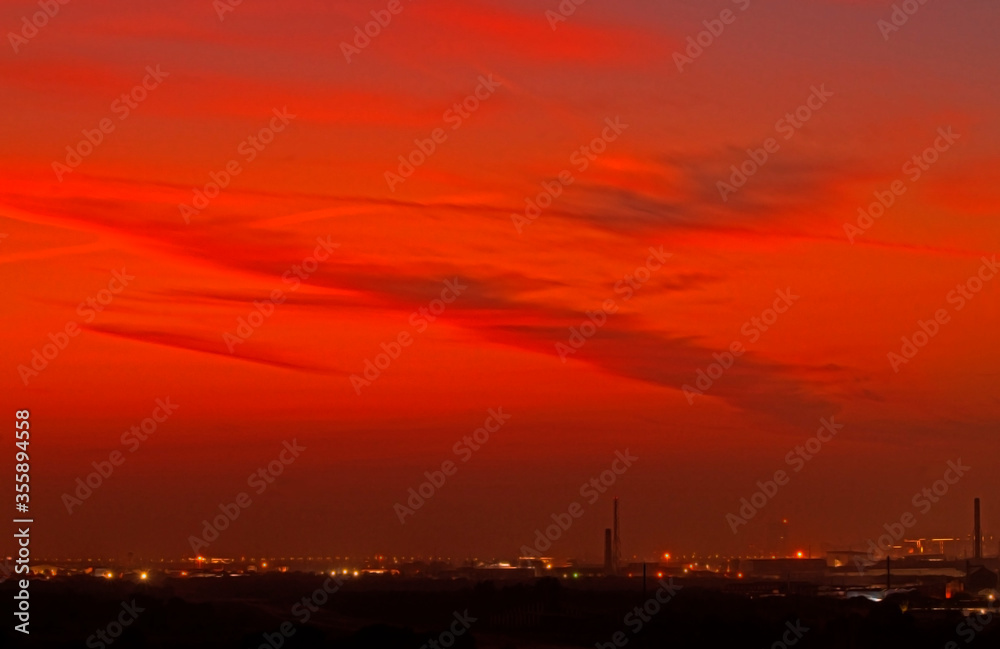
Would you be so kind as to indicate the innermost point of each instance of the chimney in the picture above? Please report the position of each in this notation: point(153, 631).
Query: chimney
point(616, 558)
point(608, 567)
point(977, 540)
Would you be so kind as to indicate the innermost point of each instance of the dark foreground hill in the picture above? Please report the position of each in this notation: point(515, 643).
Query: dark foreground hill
point(291, 611)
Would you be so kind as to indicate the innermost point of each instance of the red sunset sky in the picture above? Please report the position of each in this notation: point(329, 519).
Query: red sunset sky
point(889, 95)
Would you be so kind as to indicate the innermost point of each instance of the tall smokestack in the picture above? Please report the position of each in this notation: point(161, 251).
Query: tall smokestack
point(608, 566)
point(977, 540)
point(617, 541)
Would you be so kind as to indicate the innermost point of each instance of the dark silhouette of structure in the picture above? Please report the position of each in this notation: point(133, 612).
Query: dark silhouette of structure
point(608, 553)
point(616, 559)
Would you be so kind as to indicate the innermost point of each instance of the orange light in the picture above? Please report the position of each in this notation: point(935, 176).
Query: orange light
point(799, 554)
point(666, 555)
point(659, 574)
